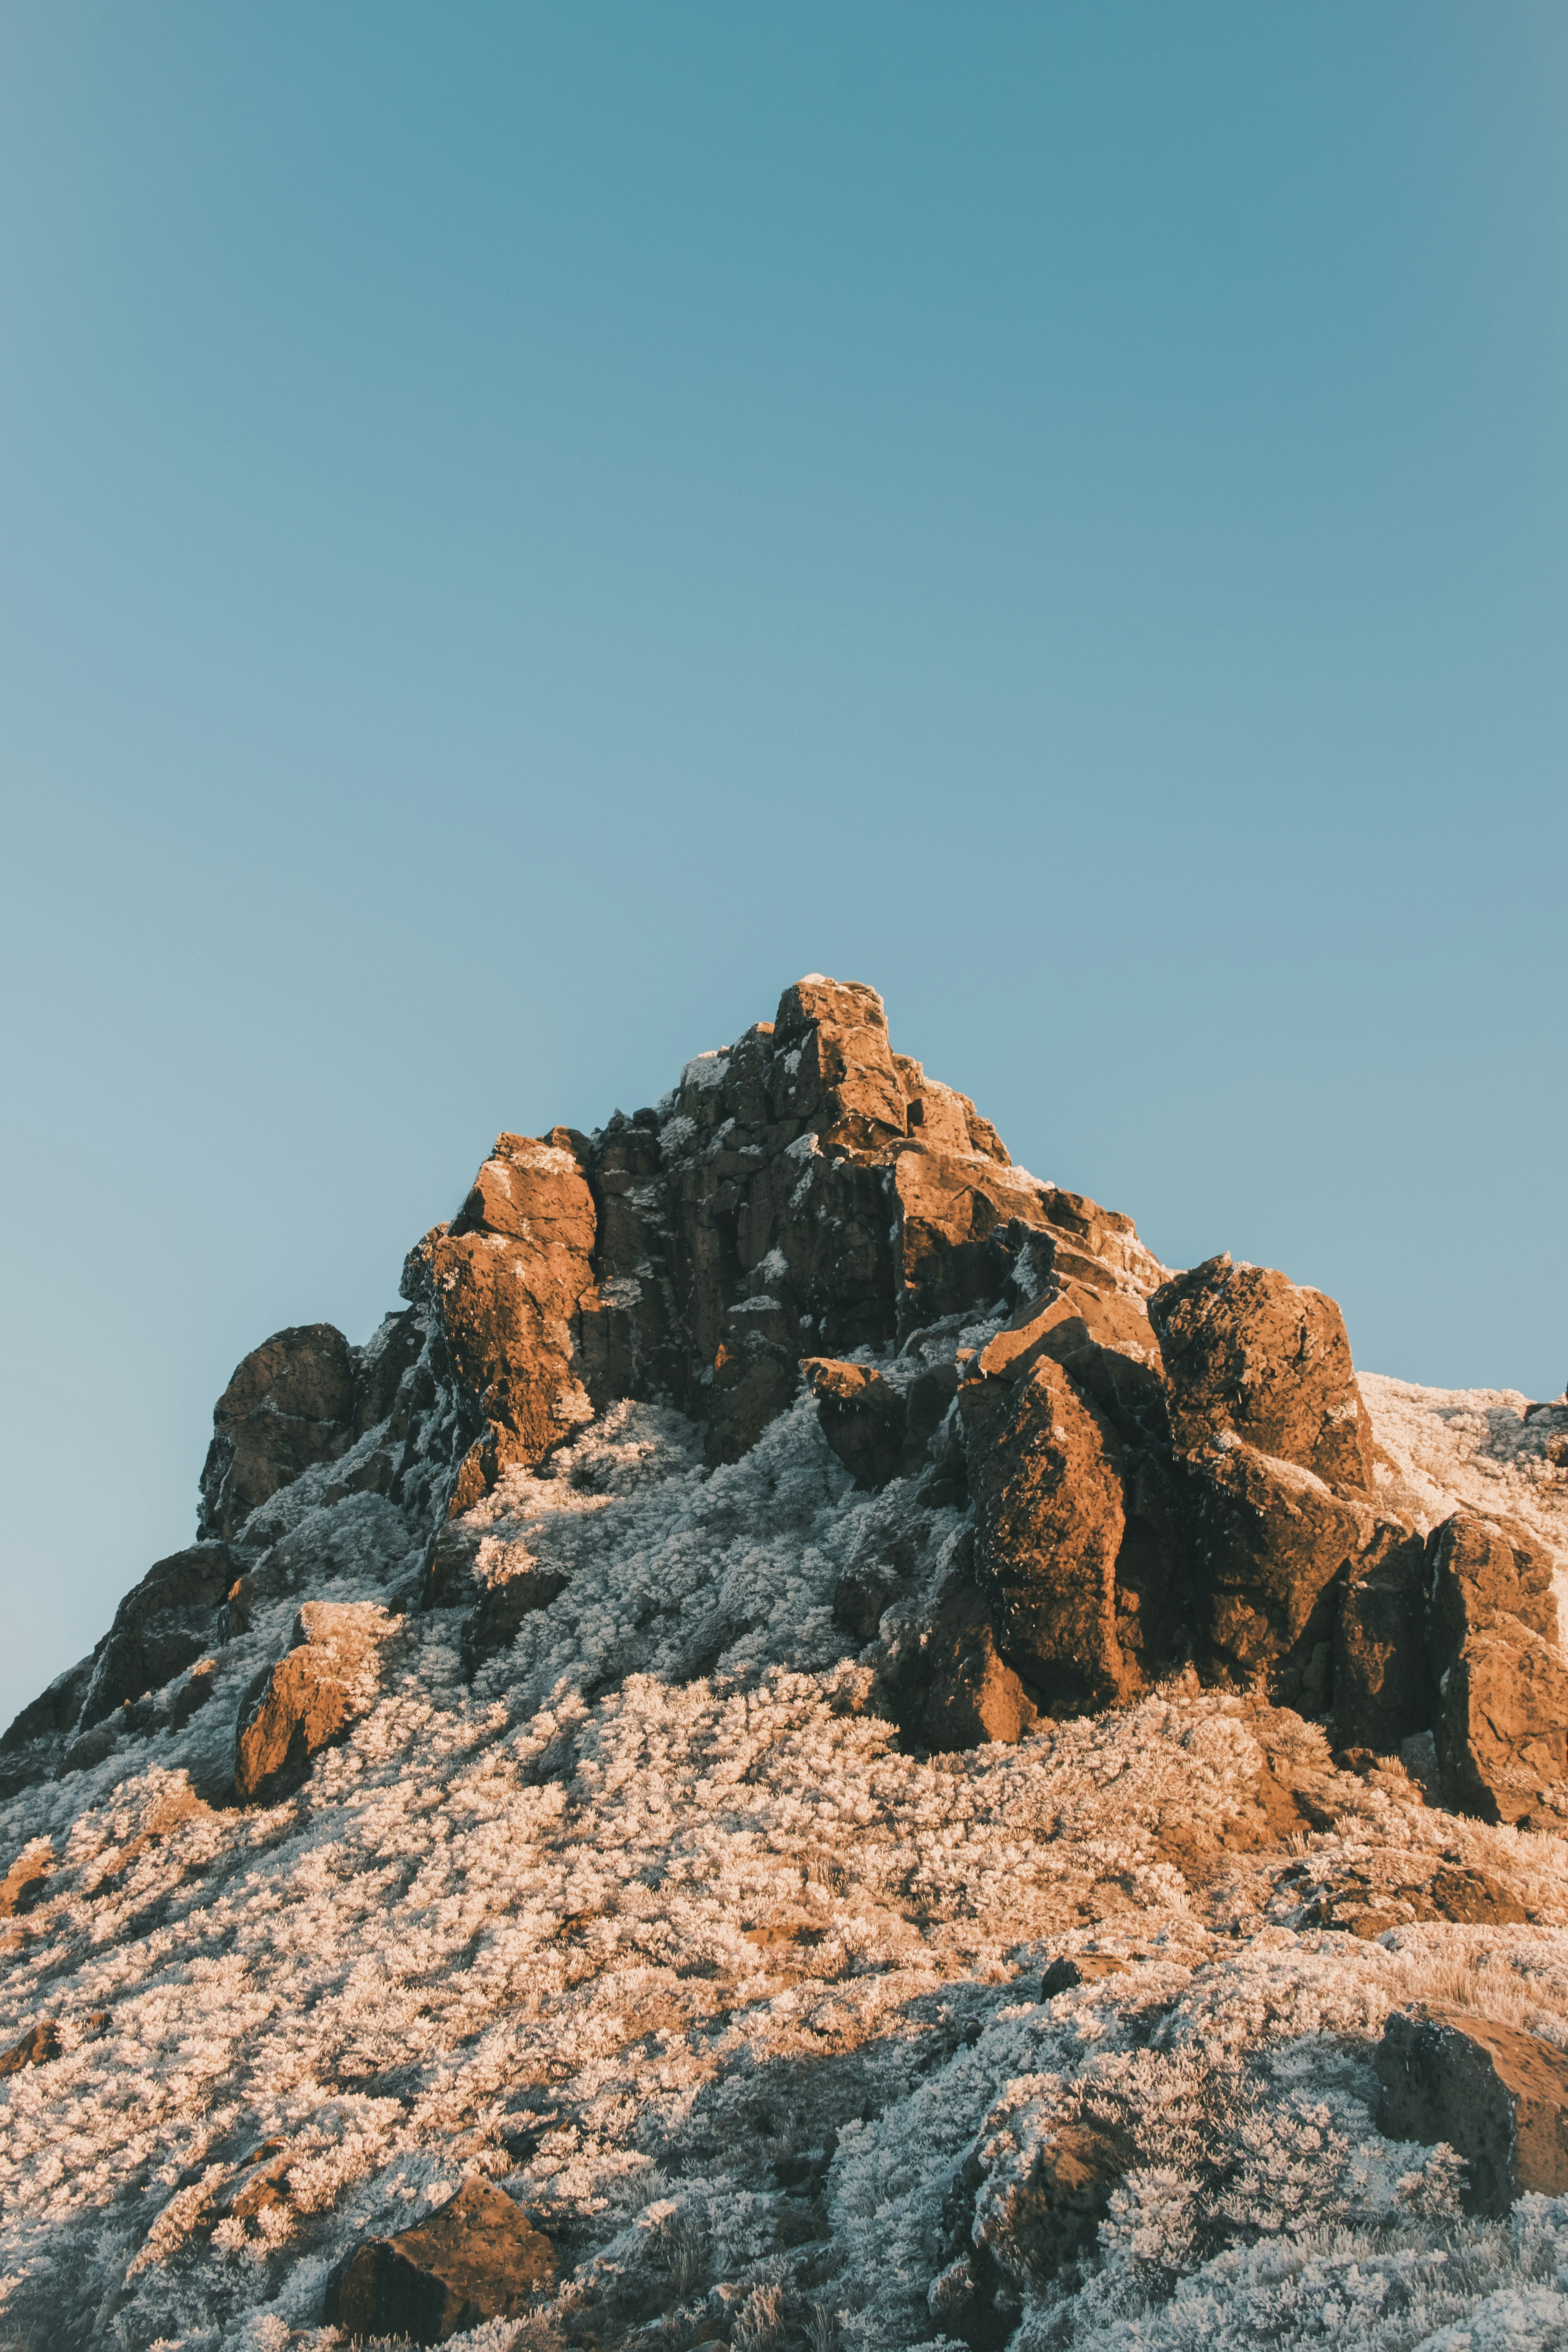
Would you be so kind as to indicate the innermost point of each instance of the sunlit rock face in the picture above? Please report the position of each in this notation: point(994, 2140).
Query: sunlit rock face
point(808, 1747)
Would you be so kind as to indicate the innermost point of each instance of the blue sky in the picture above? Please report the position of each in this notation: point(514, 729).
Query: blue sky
point(523, 530)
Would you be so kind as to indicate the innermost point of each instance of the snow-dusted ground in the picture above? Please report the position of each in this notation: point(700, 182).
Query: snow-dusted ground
point(655, 1925)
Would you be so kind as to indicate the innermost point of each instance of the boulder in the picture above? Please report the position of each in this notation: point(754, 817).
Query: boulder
point(1246, 1350)
point(1274, 1545)
point(1052, 2216)
point(1099, 1334)
point(308, 1699)
point(506, 1281)
point(25, 1882)
point(162, 1625)
point(943, 1117)
point(289, 1405)
point(1500, 1725)
point(32, 1747)
point(877, 1429)
point(38, 2046)
point(1383, 1676)
point(479, 2257)
point(1481, 1570)
point(1500, 1706)
point(971, 1695)
point(1066, 1974)
point(492, 1623)
point(833, 1064)
point(1498, 2096)
point(1045, 1471)
point(961, 1224)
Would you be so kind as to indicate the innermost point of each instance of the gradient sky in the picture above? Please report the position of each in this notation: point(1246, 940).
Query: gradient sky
point(521, 530)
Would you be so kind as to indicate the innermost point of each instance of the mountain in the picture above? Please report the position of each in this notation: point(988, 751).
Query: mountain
point(809, 1747)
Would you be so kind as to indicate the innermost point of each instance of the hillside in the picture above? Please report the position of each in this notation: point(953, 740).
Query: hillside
point(870, 1758)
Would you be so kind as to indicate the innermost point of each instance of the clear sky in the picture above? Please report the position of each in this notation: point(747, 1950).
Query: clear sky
point(522, 530)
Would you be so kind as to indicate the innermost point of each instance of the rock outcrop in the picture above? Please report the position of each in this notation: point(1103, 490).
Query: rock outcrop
point(289, 1406)
point(308, 1699)
point(1118, 1471)
point(479, 2257)
point(1500, 1718)
point(1499, 2097)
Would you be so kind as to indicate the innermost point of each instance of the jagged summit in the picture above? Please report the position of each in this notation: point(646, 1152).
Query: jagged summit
point(805, 1747)
point(1149, 1470)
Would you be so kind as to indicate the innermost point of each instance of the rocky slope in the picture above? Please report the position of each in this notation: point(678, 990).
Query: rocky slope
point(808, 1748)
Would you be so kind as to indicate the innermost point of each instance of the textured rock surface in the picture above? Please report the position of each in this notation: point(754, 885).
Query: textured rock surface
point(1047, 1474)
point(478, 2258)
point(1498, 2096)
point(507, 1279)
point(309, 1698)
point(289, 1406)
point(1500, 1717)
point(1274, 1545)
point(1383, 1674)
point(1246, 1350)
point(159, 1627)
point(971, 1695)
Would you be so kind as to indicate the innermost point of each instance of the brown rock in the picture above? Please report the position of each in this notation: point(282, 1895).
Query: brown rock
point(971, 1694)
point(941, 1117)
point(1064, 1974)
point(1501, 1691)
point(954, 1238)
point(24, 1882)
point(289, 1406)
point(1383, 1674)
point(1045, 1471)
point(1273, 1545)
point(1103, 1336)
point(1498, 2096)
point(1245, 1350)
point(507, 1280)
point(38, 2046)
point(878, 1430)
point(1052, 2216)
point(834, 1067)
point(862, 1416)
point(1470, 1898)
point(1482, 1569)
point(1500, 1726)
point(162, 1625)
point(479, 2257)
point(308, 1699)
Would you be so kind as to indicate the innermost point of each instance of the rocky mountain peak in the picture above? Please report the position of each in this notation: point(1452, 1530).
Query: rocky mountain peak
point(757, 1504)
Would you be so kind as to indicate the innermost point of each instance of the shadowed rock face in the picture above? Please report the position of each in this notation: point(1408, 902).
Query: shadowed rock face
point(1498, 2096)
point(289, 1406)
point(479, 2258)
point(1383, 1674)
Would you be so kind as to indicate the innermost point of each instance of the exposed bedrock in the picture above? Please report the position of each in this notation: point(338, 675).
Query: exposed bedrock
point(289, 1406)
point(1501, 1693)
point(309, 1697)
point(1104, 1471)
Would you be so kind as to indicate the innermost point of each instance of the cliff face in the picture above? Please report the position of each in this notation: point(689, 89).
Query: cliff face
point(785, 1577)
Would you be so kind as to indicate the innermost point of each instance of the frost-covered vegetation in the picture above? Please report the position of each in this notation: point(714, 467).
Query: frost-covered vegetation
point(657, 1922)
